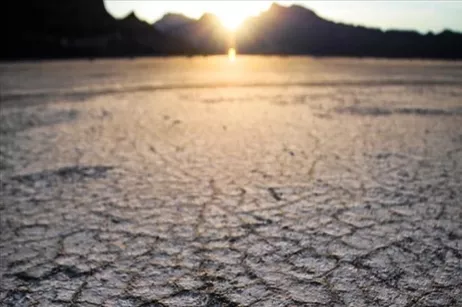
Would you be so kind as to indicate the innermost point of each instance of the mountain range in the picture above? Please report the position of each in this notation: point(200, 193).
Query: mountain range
point(83, 28)
point(79, 28)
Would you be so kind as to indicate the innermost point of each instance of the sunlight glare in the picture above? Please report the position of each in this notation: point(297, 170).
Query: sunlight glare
point(232, 54)
point(233, 13)
point(231, 22)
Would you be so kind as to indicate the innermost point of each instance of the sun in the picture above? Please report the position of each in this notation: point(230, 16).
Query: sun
point(233, 13)
point(231, 22)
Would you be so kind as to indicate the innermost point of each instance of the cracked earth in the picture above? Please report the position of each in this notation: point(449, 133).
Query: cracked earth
point(343, 195)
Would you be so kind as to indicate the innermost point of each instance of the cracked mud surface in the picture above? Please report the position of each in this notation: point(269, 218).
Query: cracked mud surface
point(337, 195)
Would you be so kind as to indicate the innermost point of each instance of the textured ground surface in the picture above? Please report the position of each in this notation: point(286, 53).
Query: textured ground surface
point(315, 195)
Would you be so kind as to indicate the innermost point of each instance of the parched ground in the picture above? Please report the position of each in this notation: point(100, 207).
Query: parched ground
point(260, 196)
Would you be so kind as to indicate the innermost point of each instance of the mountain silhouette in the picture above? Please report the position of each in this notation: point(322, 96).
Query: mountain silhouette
point(297, 30)
point(170, 21)
point(80, 28)
point(207, 34)
point(83, 28)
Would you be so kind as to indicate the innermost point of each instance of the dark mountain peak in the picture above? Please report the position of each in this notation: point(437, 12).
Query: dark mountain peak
point(175, 16)
point(276, 10)
point(294, 14)
point(209, 19)
point(206, 34)
point(275, 7)
point(172, 21)
point(302, 10)
point(131, 16)
point(132, 21)
point(449, 32)
point(293, 9)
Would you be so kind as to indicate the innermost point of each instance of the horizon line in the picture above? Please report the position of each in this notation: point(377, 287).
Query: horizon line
point(348, 23)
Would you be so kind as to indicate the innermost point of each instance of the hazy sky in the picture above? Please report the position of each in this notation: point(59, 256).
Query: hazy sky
point(419, 15)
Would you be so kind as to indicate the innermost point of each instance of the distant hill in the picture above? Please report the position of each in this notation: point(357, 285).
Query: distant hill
point(171, 21)
point(297, 30)
point(207, 34)
point(83, 28)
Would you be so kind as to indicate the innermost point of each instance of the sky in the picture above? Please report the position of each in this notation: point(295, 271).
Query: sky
point(422, 16)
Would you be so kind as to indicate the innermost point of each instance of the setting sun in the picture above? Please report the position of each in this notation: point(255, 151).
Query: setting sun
point(232, 14)
point(231, 22)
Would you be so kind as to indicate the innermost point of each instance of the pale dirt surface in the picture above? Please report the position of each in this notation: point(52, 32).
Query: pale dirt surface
point(330, 189)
